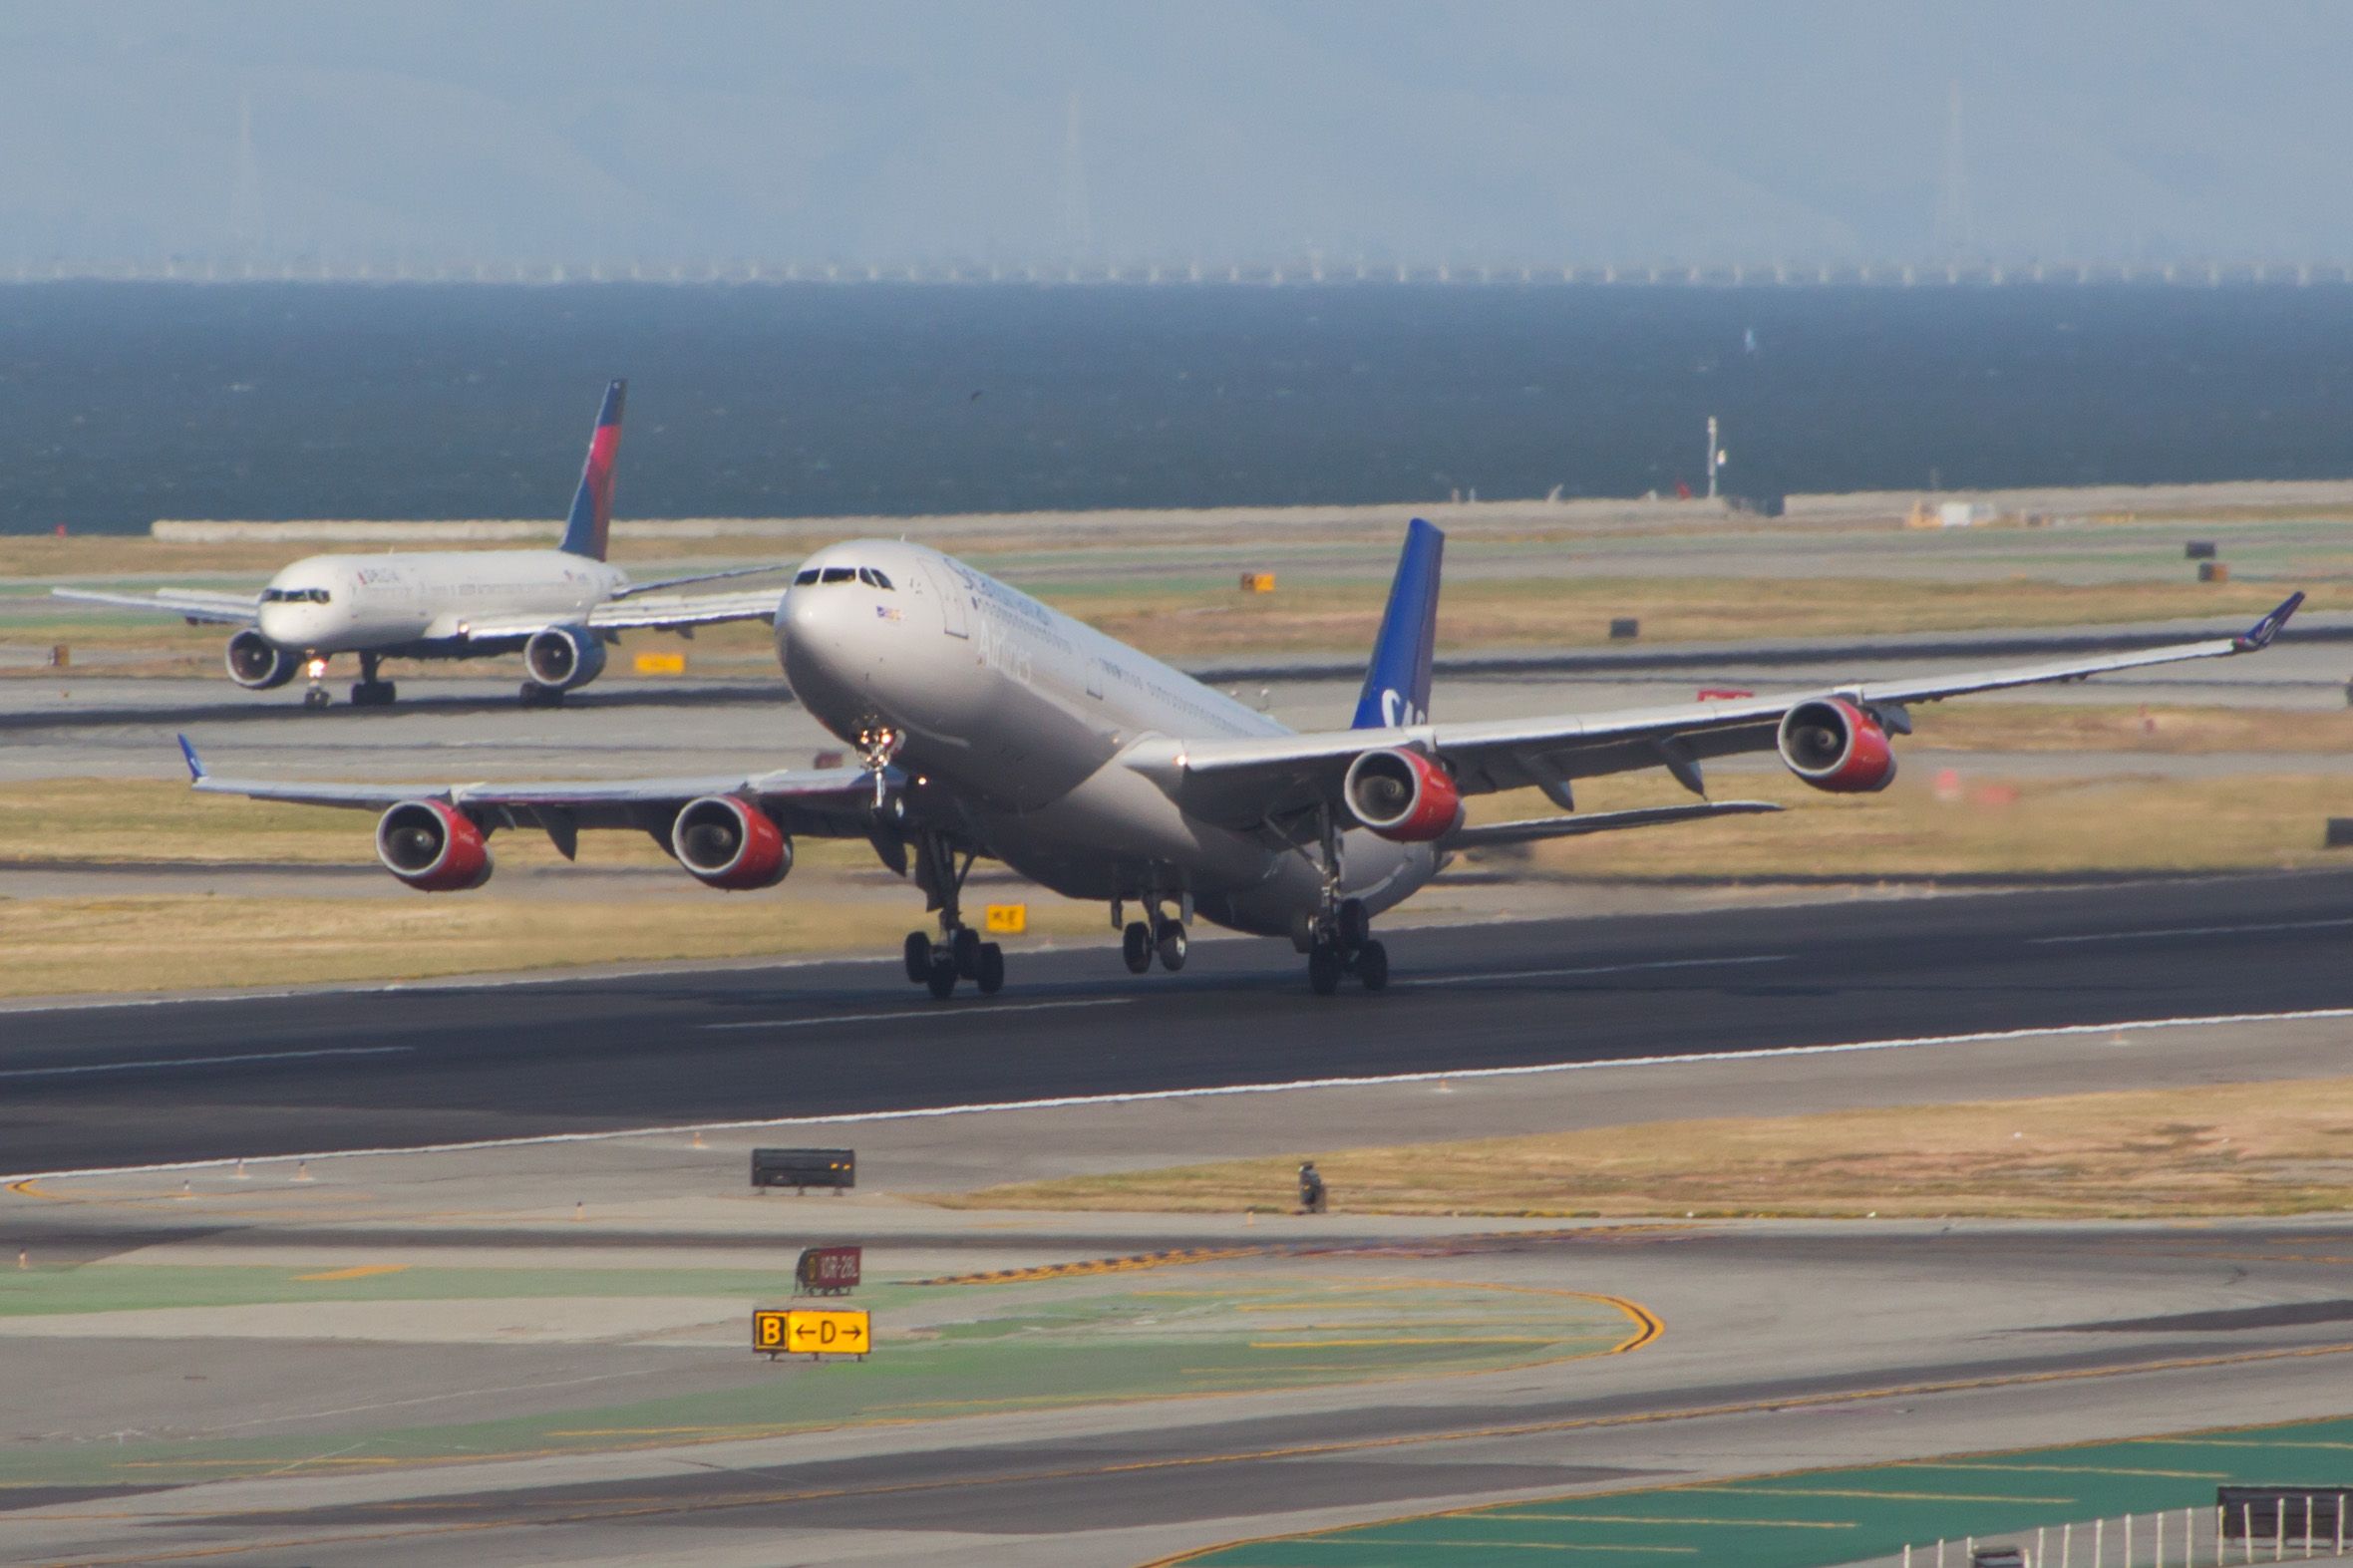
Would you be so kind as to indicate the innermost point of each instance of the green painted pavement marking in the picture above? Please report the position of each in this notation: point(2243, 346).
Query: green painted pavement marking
point(1824, 1518)
point(1053, 1343)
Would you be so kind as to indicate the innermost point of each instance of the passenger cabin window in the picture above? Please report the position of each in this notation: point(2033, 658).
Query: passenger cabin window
point(841, 575)
point(804, 577)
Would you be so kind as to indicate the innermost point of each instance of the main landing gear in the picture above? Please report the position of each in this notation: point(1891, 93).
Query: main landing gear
point(1339, 940)
point(1161, 936)
point(370, 691)
point(1346, 946)
point(958, 953)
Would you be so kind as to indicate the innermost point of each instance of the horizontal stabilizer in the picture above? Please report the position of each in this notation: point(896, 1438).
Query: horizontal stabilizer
point(1533, 829)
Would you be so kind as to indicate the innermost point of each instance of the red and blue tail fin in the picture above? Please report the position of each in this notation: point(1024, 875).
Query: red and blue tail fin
point(1397, 685)
point(592, 504)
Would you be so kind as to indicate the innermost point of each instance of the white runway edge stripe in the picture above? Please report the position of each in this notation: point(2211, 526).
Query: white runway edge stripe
point(2145, 936)
point(917, 1015)
point(1145, 1097)
point(158, 1063)
point(1591, 969)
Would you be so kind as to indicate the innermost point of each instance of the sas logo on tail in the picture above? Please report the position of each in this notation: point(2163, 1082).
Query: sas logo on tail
point(1396, 712)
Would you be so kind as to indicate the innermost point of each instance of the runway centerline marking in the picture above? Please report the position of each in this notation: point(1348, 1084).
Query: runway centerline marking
point(1595, 969)
point(159, 1063)
point(913, 1013)
point(2134, 936)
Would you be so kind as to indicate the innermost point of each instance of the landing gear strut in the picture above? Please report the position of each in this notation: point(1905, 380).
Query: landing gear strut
point(370, 691)
point(1340, 940)
point(958, 953)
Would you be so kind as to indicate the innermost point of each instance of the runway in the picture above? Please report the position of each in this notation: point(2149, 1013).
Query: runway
point(109, 1085)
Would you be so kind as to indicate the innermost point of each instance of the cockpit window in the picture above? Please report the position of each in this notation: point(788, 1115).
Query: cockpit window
point(873, 579)
point(804, 576)
point(294, 596)
point(841, 575)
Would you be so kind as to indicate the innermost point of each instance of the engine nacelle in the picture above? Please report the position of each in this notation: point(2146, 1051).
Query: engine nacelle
point(1403, 795)
point(729, 843)
point(562, 657)
point(1834, 745)
point(260, 665)
point(432, 846)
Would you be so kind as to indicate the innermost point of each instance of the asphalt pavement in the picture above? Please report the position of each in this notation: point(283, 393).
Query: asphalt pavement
point(89, 1086)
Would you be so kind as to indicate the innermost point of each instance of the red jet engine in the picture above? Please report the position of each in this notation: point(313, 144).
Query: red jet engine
point(432, 846)
point(1403, 795)
point(728, 843)
point(1834, 745)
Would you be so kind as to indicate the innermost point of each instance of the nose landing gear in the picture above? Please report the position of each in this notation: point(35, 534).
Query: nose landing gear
point(959, 953)
point(315, 696)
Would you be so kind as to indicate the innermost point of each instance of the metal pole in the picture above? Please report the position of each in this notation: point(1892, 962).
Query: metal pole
point(1711, 457)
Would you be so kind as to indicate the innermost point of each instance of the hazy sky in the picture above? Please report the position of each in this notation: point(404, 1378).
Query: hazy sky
point(1517, 131)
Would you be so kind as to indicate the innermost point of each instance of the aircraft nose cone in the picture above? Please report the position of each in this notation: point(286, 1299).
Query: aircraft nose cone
point(811, 633)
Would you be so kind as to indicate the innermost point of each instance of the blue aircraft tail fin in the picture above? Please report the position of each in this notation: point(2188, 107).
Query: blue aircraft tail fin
point(1397, 685)
point(592, 504)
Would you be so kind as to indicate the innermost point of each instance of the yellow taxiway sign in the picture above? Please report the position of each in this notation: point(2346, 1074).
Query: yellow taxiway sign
point(791, 1332)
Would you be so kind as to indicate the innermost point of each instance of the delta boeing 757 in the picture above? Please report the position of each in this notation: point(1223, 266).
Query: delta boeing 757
point(986, 723)
point(557, 608)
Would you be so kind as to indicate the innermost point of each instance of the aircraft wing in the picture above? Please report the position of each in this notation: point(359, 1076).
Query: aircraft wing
point(819, 802)
point(1251, 781)
point(621, 615)
point(660, 583)
point(195, 605)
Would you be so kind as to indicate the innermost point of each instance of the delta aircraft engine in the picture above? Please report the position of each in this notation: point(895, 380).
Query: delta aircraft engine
point(1836, 745)
point(563, 657)
point(1403, 795)
point(260, 665)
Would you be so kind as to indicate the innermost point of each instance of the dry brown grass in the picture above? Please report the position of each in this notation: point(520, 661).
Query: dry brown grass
point(2241, 1148)
point(1574, 611)
point(65, 946)
point(1998, 826)
point(1195, 624)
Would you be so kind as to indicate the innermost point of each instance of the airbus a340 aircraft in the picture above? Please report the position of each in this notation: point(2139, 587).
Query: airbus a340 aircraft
point(560, 607)
point(987, 724)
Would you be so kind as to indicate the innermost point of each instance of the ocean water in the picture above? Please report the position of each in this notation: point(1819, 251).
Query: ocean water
point(123, 403)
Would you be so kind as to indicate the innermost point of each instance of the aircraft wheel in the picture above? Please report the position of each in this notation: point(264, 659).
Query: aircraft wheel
point(941, 977)
point(1135, 946)
point(536, 696)
point(316, 697)
point(372, 693)
point(965, 945)
point(1323, 969)
point(992, 969)
point(1356, 924)
point(1372, 965)
point(918, 952)
point(1171, 946)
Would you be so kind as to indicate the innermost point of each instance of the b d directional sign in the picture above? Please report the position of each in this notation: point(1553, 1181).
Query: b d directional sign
point(793, 1333)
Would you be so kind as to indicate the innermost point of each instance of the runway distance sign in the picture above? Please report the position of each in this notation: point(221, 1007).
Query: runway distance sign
point(789, 1332)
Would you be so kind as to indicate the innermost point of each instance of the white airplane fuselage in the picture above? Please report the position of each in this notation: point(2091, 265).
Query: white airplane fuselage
point(402, 599)
point(1019, 715)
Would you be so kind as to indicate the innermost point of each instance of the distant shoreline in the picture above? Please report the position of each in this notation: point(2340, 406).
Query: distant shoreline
point(2107, 502)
